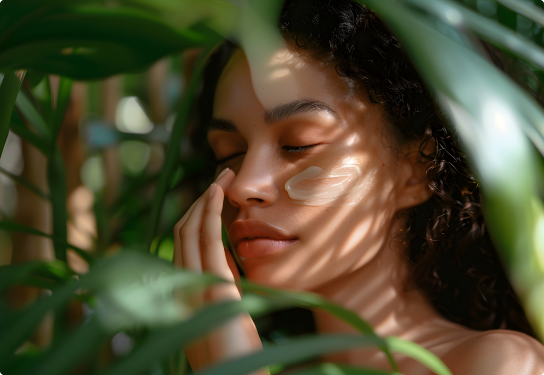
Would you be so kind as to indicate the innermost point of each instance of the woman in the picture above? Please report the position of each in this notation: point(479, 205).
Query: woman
point(329, 162)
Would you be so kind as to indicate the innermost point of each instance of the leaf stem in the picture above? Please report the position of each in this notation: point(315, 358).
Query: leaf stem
point(172, 152)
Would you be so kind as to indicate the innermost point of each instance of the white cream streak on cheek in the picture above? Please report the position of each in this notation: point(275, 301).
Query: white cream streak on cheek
point(341, 186)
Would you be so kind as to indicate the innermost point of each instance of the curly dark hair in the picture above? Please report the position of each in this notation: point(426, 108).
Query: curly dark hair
point(453, 259)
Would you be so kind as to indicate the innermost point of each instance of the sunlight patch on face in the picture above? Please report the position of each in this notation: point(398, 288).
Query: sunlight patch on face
point(279, 73)
point(274, 78)
point(354, 138)
point(355, 238)
point(343, 185)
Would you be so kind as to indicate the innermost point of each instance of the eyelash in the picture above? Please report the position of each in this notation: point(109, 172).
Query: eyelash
point(293, 149)
point(299, 148)
point(225, 159)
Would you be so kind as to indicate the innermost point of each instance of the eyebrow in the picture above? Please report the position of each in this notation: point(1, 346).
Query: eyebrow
point(220, 124)
point(284, 111)
point(278, 113)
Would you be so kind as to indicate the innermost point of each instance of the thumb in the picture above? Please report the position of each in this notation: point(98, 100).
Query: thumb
point(233, 267)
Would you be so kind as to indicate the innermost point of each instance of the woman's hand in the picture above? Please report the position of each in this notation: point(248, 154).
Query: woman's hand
point(199, 247)
point(197, 237)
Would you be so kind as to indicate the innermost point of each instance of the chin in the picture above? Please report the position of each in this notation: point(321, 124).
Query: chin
point(281, 277)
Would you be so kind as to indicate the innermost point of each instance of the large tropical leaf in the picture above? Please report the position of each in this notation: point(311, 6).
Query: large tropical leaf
point(493, 117)
point(85, 41)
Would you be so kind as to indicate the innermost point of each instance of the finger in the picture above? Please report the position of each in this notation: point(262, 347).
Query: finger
point(211, 244)
point(189, 236)
point(233, 268)
point(189, 251)
point(190, 229)
point(177, 241)
point(232, 265)
point(225, 178)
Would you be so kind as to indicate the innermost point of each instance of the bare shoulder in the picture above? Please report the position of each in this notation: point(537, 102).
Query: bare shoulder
point(497, 352)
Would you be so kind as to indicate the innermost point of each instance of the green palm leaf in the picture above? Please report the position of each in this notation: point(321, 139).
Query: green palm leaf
point(296, 349)
point(336, 369)
point(10, 226)
point(9, 88)
point(89, 42)
point(20, 180)
point(490, 114)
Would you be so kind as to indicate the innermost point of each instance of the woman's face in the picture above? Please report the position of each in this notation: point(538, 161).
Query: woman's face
point(317, 180)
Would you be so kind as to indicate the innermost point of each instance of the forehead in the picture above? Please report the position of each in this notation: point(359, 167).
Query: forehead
point(286, 76)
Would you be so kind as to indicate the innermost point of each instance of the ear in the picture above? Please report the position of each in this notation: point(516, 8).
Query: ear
point(412, 173)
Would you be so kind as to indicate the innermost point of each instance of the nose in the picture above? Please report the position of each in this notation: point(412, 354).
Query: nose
point(254, 183)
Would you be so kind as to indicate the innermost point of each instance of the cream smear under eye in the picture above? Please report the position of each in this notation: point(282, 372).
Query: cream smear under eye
point(339, 186)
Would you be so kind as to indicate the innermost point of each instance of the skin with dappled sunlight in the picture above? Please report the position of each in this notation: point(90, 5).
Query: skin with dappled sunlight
point(313, 200)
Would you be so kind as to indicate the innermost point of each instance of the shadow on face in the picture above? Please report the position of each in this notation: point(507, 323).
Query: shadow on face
point(313, 161)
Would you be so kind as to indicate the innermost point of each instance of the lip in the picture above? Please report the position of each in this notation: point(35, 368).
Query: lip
point(254, 238)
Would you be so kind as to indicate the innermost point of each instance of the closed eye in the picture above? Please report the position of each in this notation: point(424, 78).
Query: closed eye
point(298, 148)
point(227, 158)
point(291, 149)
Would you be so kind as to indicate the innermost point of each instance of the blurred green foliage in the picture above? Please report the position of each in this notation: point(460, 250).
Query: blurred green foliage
point(130, 295)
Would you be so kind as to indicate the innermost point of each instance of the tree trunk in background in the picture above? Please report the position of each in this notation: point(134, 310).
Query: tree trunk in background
point(34, 212)
point(111, 94)
point(158, 105)
point(158, 101)
point(81, 227)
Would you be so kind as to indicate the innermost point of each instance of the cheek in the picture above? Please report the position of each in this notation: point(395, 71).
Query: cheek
point(334, 240)
point(338, 186)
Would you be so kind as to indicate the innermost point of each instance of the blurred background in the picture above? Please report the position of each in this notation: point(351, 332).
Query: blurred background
point(98, 159)
point(112, 141)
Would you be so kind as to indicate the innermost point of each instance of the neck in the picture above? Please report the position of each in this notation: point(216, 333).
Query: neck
point(379, 292)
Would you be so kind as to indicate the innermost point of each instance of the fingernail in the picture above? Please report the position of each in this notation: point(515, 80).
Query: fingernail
point(222, 174)
point(212, 190)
